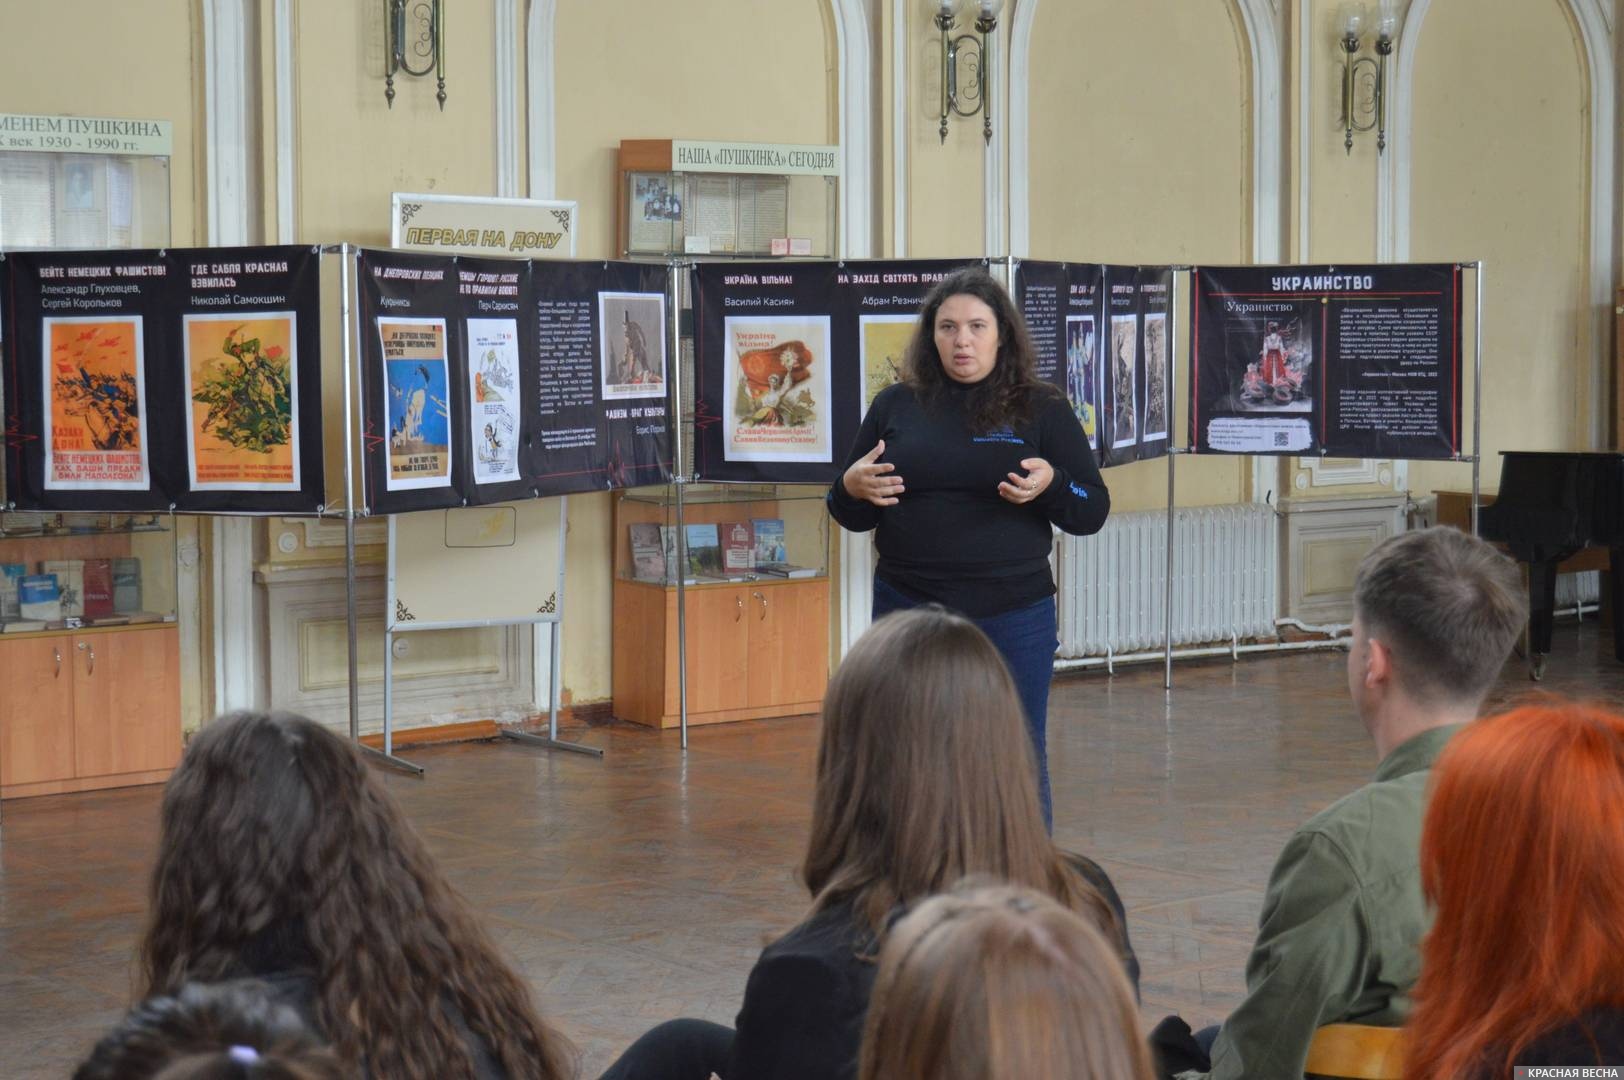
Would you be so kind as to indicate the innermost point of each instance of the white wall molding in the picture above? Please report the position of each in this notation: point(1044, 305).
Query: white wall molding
point(1262, 21)
point(540, 100)
point(995, 155)
point(855, 88)
point(901, 87)
point(1019, 125)
point(285, 86)
point(228, 28)
point(506, 72)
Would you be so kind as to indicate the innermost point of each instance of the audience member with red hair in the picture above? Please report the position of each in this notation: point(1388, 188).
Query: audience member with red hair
point(1522, 855)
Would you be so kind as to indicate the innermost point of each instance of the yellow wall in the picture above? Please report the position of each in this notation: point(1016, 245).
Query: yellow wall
point(947, 187)
point(1501, 174)
point(353, 150)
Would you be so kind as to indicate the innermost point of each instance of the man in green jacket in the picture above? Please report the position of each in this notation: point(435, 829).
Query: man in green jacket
point(1435, 615)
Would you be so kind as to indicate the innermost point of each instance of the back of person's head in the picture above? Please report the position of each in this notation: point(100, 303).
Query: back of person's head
point(1447, 606)
point(227, 1031)
point(280, 850)
point(1000, 983)
point(1522, 857)
point(925, 773)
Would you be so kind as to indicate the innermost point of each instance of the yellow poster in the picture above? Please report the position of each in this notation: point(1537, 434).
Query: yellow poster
point(95, 404)
point(241, 371)
point(884, 345)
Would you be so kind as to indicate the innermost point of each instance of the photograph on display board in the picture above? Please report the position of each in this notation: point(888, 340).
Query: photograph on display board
point(493, 398)
point(655, 197)
point(1124, 371)
point(631, 332)
point(1270, 361)
point(1156, 375)
point(883, 342)
point(242, 382)
point(1082, 352)
point(95, 404)
point(778, 377)
point(417, 401)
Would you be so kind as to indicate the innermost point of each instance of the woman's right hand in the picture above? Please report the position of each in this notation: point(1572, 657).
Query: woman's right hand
point(872, 482)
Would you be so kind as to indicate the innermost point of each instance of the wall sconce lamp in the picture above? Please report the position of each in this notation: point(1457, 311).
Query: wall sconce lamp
point(1364, 79)
point(414, 30)
point(966, 92)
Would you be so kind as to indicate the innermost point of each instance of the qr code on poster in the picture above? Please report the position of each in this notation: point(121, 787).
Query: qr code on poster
point(1280, 439)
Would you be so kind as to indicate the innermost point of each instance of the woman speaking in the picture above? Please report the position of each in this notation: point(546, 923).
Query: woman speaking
point(962, 468)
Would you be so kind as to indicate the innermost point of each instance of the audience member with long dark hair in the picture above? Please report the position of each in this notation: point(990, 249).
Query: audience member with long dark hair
point(227, 1031)
point(283, 858)
point(1522, 857)
point(1000, 983)
point(923, 777)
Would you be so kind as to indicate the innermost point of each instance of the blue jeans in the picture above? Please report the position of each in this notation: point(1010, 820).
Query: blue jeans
point(1026, 639)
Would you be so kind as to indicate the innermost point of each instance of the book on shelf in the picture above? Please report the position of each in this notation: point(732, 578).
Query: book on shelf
point(769, 537)
point(738, 547)
point(110, 620)
point(668, 541)
point(788, 570)
point(70, 584)
point(648, 552)
point(38, 597)
point(704, 549)
point(10, 574)
point(22, 626)
point(126, 585)
point(98, 594)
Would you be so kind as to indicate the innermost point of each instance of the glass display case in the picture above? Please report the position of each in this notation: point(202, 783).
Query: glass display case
point(67, 571)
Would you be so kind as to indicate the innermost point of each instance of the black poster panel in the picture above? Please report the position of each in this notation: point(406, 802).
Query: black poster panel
point(498, 339)
point(634, 373)
point(1061, 303)
point(249, 391)
point(1393, 363)
point(602, 399)
point(1155, 360)
point(1352, 361)
point(1123, 366)
point(876, 310)
point(767, 361)
point(92, 389)
point(413, 382)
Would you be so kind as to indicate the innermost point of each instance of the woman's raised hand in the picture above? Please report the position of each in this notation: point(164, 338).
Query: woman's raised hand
point(872, 481)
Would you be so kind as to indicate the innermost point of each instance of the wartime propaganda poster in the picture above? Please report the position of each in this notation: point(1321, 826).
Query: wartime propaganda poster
point(1082, 355)
point(1156, 346)
point(883, 342)
point(95, 407)
point(493, 398)
point(778, 378)
point(242, 390)
point(1122, 363)
point(416, 401)
point(632, 339)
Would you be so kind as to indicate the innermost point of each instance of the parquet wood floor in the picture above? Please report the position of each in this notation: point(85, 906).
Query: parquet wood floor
point(642, 887)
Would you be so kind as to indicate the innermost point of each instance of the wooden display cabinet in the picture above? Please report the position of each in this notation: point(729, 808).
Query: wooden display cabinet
point(756, 648)
point(91, 701)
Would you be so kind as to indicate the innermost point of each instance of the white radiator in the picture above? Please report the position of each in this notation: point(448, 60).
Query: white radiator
point(1113, 584)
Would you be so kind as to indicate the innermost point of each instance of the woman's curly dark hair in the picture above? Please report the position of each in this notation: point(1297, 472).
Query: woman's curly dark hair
point(230, 1031)
point(1012, 392)
point(273, 830)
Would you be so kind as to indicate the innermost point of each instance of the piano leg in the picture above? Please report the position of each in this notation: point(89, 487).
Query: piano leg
point(1616, 565)
point(1541, 613)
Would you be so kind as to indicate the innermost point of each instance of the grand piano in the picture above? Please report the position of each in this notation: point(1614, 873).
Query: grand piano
point(1551, 505)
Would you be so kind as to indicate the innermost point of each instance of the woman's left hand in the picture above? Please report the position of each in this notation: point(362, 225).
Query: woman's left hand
point(1020, 489)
